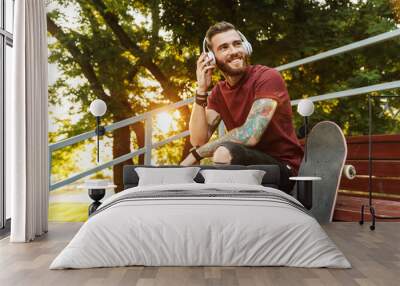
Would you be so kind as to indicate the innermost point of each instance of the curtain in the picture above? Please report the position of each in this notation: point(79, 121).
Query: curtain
point(27, 173)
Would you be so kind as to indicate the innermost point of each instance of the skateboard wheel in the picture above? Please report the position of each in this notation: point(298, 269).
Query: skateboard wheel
point(361, 222)
point(372, 227)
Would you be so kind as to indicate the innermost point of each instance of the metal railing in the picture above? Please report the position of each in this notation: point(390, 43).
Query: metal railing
point(147, 117)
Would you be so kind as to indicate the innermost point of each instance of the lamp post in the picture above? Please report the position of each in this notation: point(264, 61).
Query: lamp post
point(98, 108)
point(305, 108)
point(305, 183)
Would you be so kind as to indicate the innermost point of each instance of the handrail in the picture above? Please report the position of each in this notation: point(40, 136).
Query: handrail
point(341, 50)
point(116, 161)
point(119, 124)
point(147, 116)
point(354, 91)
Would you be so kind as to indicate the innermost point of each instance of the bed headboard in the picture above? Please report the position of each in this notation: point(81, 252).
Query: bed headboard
point(270, 179)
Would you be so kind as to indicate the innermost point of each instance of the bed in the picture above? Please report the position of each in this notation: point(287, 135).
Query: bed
point(201, 224)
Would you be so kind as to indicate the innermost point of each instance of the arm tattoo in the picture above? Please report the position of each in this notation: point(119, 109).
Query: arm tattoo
point(213, 125)
point(250, 132)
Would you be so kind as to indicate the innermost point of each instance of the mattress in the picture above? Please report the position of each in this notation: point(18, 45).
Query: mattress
point(201, 225)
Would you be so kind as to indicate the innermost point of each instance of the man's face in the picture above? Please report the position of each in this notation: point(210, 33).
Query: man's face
point(229, 53)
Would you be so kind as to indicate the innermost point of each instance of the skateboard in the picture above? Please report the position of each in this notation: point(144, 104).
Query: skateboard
point(326, 155)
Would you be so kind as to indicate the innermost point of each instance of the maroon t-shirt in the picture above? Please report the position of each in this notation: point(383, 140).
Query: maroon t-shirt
point(234, 103)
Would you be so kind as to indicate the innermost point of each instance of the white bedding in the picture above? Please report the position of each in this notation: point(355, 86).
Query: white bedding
point(184, 231)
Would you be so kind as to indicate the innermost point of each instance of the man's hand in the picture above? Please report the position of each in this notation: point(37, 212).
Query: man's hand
point(189, 160)
point(203, 73)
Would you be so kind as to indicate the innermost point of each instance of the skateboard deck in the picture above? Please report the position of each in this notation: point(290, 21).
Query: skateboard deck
point(326, 155)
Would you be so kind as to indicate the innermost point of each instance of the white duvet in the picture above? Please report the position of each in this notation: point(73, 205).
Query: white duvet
point(200, 231)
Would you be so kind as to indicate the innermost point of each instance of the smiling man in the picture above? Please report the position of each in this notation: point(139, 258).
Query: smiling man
point(253, 103)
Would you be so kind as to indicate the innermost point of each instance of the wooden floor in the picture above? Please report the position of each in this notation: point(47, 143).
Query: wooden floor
point(348, 208)
point(375, 257)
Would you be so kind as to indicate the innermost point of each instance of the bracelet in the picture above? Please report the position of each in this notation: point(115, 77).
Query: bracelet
point(195, 154)
point(201, 99)
point(202, 95)
point(201, 102)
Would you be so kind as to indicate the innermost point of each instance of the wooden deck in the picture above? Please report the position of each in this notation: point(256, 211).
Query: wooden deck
point(374, 255)
point(348, 208)
point(385, 178)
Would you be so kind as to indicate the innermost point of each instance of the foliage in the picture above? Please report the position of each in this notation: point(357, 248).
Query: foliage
point(396, 8)
point(68, 212)
point(173, 154)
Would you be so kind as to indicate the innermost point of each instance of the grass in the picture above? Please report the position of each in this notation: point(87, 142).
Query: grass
point(68, 212)
point(69, 204)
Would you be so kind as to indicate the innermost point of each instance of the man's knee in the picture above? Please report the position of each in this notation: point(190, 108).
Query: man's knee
point(222, 155)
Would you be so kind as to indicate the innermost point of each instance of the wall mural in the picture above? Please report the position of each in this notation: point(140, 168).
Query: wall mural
point(140, 55)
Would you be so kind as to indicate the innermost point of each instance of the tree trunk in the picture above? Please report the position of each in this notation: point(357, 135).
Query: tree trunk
point(188, 145)
point(138, 128)
point(121, 146)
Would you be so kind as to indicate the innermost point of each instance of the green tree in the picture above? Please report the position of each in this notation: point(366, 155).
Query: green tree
point(110, 55)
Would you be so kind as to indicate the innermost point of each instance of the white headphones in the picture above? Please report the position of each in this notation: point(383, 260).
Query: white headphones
point(246, 45)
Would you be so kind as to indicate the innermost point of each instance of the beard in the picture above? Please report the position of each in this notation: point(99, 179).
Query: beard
point(232, 71)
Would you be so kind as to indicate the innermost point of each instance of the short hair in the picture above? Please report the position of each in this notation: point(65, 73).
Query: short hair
point(217, 28)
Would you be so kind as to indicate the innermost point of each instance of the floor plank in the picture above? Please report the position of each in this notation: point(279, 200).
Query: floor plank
point(348, 208)
point(375, 257)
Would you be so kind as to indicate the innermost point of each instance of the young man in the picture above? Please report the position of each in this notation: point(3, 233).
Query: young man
point(253, 103)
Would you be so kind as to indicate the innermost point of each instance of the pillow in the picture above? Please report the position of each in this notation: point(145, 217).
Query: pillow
point(249, 177)
point(166, 176)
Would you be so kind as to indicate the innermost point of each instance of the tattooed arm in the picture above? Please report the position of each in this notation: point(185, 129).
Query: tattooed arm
point(202, 124)
point(212, 119)
point(250, 132)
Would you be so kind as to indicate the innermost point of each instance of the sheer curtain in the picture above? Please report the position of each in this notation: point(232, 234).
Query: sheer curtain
point(27, 172)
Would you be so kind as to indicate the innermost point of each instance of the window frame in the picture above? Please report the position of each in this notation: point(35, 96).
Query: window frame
point(6, 39)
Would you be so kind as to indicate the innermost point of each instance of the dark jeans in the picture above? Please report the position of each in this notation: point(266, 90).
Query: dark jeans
point(243, 155)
